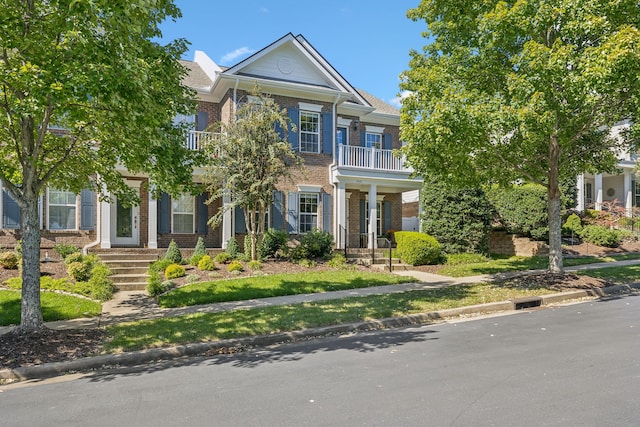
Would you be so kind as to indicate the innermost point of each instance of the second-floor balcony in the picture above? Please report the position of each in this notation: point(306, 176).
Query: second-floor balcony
point(196, 140)
point(371, 158)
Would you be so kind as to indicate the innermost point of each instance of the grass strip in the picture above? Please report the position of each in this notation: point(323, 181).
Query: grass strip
point(619, 275)
point(55, 306)
point(249, 322)
point(276, 285)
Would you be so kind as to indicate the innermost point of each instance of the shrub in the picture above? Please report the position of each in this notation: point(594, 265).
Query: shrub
point(625, 235)
point(521, 209)
point(315, 244)
point(308, 263)
point(173, 253)
point(338, 261)
point(198, 252)
point(192, 278)
point(459, 218)
point(573, 225)
point(73, 257)
point(206, 264)
point(600, 236)
point(154, 283)
point(160, 265)
point(223, 258)
point(9, 260)
point(459, 259)
point(272, 242)
point(174, 271)
point(235, 266)
point(64, 249)
point(418, 248)
point(100, 286)
point(255, 265)
point(79, 271)
point(233, 249)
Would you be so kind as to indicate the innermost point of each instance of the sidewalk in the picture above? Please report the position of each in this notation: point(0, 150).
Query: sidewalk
point(128, 306)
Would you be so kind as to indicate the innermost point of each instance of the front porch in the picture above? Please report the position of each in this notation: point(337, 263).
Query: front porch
point(603, 191)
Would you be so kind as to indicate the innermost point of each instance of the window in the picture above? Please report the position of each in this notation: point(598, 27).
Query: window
point(183, 214)
point(374, 140)
point(342, 136)
point(62, 210)
point(309, 132)
point(308, 212)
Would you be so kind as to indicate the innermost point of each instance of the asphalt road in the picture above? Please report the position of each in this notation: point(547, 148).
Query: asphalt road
point(572, 365)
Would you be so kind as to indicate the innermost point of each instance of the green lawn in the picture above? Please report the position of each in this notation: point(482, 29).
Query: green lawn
point(620, 275)
point(276, 285)
point(501, 264)
point(55, 306)
point(215, 326)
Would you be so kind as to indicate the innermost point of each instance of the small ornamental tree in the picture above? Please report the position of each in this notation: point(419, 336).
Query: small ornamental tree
point(247, 161)
point(85, 87)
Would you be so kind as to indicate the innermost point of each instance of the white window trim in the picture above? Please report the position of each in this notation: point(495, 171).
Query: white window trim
point(346, 135)
point(193, 216)
point(319, 133)
point(300, 213)
point(342, 122)
point(308, 188)
point(374, 129)
point(366, 143)
point(314, 108)
point(77, 206)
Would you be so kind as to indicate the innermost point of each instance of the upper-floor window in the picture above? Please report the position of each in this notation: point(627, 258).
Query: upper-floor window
point(309, 132)
point(342, 135)
point(183, 214)
point(308, 212)
point(62, 210)
point(373, 140)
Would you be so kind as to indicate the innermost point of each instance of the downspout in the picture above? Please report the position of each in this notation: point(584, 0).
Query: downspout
point(336, 227)
point(86, 248)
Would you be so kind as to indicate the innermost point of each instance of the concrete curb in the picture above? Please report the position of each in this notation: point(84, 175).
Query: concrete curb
point(48, 370)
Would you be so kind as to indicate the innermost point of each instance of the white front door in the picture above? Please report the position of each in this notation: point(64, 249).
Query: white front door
point(125, 223)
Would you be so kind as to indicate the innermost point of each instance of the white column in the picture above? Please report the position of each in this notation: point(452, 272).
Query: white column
point(153, 222)
point(580, 188)
point(628, 193)
point(598, 190)
point(227, 221)
point(373, 216)
point(105, 212)
point(340, 202)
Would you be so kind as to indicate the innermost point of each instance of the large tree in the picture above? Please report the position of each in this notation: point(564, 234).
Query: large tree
point(83, 88)
point(247, 160)
point(522, 89)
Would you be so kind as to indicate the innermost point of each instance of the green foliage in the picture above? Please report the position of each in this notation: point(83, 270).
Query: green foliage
point(199, 251)
point(101, 286)
point(79, 271)
point(9, 260)
point(255, 265)
point(154, 283)
point(192, 278)
point(314, 244)
point(468, 258)
point(600, 236)
point(160, 265)
point(307, 263)
point(73, 257)
point(521, 209)
point(418, 248)
point(573, 225)
point(64, 249)
point(338, 261)
point(460, 219)
point(206, 264)
point(173, 253)
point(174, 271)
point(235, 266)
point(247, 247)
point(223, 258)
point(272, 242)
point(233, 249)
point(625, 235)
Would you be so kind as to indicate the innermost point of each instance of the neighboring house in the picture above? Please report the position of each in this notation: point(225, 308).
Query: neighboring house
point(352, 183)
point(622, 188)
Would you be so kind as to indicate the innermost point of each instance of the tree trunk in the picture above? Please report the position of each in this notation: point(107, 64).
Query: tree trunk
point(554, 216)
point(31, 316)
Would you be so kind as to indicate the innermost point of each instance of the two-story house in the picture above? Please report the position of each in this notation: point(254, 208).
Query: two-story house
point(351, 186)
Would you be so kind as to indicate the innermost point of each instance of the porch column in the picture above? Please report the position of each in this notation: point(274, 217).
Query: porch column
point(341, 216)
point(373, 216)
point(105, 223)
point(227, 221)
point(628, 193)
point(580, 196)
point(152, 242)
point(598, 190)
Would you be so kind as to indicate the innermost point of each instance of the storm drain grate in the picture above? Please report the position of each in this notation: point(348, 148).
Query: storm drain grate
point(527, 302)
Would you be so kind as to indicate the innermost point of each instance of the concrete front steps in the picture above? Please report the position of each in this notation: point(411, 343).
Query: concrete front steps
point(129, 266)
point(380, 260)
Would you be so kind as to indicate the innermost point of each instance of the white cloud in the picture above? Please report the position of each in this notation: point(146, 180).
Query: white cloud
point(397, 101)
point(231, 56)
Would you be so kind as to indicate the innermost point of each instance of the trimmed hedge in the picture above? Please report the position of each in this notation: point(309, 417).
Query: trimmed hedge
point(174, 271)
point(600, 236)
point(522, 209)
point(417, 248)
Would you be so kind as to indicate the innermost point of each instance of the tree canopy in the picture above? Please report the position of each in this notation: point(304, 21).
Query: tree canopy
point(84, 88)
point(525, 89)
point(248, 159)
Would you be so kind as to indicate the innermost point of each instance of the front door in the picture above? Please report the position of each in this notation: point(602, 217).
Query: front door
point(125, 222)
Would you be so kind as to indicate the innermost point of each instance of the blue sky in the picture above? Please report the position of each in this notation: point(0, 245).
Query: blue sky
point(367, 41)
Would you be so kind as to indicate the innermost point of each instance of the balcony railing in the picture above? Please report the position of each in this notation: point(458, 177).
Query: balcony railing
point(370, 158)
point(197, 139)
